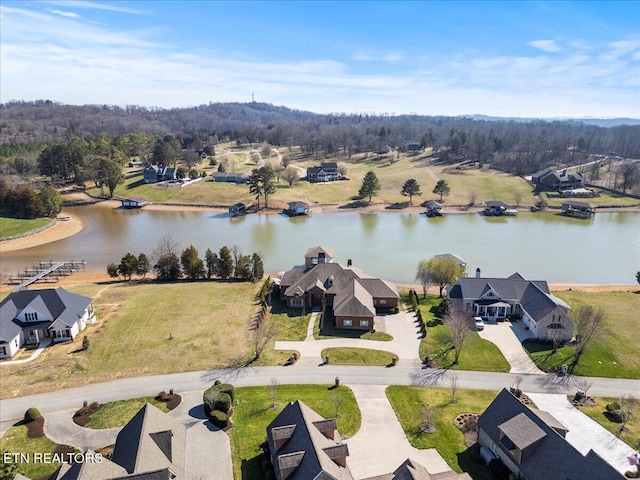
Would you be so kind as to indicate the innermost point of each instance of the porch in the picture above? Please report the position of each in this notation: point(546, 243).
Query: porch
point(492, 310)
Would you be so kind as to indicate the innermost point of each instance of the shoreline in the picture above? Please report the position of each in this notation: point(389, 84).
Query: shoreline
point(61, 230)
point(85, 277)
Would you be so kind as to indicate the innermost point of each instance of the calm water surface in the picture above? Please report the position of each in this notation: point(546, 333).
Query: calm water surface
point(605, 249)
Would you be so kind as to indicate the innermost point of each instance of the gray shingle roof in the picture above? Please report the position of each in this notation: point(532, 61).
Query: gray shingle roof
point(522, 431)
point(151, 441)
point(552, 458)
point(306, 449)
point(59, 304)
point(314, 251)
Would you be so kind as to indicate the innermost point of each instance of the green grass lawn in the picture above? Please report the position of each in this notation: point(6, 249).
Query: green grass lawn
point(148, 328)
point(252, 415)
point(477, 354)
point(10, 227)
point(17, 441)
point(615, 354)
point(118, 414)
point(357, 356)
point(290, 323)
point(408, 402)
point(631, 434)
point(605, 198)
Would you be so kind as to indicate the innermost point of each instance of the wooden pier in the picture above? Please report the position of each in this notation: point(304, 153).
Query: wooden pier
point(45, 272)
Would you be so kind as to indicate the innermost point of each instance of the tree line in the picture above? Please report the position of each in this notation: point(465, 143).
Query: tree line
point(170, 265)
point(26, 201)
point(519, 147)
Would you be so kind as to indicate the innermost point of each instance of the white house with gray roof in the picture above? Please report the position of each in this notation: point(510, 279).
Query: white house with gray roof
point(28, 317)
point(546, 316)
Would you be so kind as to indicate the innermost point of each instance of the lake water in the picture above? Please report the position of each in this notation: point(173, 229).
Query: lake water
point(604, 249)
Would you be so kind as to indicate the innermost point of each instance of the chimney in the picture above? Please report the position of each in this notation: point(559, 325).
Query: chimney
point(349, 263)
point(478, 272)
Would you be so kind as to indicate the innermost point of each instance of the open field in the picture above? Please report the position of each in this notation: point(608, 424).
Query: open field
point(253, 414)
point(605, 198)
point(615, 354)
point(631, 433)
point(10, 227)
point(477, 354)
point(408, 403)
point(143, 329)
point(17, 441)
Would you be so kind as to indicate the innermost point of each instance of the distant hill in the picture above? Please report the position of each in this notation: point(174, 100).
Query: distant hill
point(600, 122)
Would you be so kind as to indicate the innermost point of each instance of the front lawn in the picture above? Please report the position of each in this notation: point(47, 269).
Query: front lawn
point(11, 227)
point(329, 331)
point(357, 356)
point(17, 441)
point(408, 403)
point(631, 433)
point(477, 354)
point(118, 414)
point(614, 354)
point(252, 415)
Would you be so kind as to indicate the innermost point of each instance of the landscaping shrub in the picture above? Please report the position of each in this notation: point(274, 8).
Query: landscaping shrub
point(163, 396)
point(212, 394)
point(85, 343)
point(223, 403)
point(219, 419)
point(613, 406)
point(32, 414)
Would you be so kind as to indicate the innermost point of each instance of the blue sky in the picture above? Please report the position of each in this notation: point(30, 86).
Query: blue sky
point(509, 58)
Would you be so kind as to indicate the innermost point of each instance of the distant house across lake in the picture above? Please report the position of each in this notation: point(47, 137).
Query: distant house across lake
point(159, 173)
point(326, 172)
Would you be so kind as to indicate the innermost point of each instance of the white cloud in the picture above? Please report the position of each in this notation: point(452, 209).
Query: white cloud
point(63, 13)
point(378, 57)
point(113, 7)
point(545, 45)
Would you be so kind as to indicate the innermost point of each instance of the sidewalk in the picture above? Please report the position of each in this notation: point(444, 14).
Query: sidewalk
point(33, 356)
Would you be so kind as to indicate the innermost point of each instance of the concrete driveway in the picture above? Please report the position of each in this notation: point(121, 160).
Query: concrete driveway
point(584, 433)
point(508, 337)
point(380, 446)
point(208, 454)
point(401, 326)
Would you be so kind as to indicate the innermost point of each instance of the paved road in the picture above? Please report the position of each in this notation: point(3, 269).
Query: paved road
point(14, 408)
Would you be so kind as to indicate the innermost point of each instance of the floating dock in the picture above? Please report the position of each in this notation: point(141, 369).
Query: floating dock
point(45, 272)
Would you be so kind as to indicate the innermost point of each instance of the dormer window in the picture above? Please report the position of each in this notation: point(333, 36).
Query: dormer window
point(31, 317)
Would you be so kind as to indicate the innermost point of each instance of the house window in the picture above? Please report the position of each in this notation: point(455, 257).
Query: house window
point(31, 317)
point(296, 302)
point(555, 326)
point(383, 302)
point(347, 323)
point(3, 351)
point(364, 323)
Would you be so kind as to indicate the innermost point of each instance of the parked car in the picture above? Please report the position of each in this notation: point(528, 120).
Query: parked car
point(479, 323)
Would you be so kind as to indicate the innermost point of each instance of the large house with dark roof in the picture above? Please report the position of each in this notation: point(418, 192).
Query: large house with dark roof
point(345, 291)
point(152, 446)
point(304, 445)
point(546, 316)
point(159, 173)
point(28, 317)
point(550, 179)
point(326, 172)
point(532, 444)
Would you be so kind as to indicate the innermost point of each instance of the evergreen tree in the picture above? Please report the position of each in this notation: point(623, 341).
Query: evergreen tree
point(225, 263)
point(192, 264)
point(51, 201)
point(211, 260)
point(143, 265)
point(258, 268)
point(168, 267)
point(442, 188)
point(128, 266)
point(410, 188)
point(370, 185)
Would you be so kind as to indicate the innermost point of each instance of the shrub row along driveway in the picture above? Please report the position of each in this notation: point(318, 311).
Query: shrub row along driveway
point(401, 326)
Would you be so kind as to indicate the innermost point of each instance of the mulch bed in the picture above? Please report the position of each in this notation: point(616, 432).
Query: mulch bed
point(83, 416)
point(64, 450)
point(35, 429)
point(468, 423)
point(174, 401)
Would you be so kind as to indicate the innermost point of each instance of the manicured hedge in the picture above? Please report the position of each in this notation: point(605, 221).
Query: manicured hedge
point(218, 397)
point(32, 414)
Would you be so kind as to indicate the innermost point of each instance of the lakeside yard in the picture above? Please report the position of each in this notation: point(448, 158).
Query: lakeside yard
point(614, 354)
point(11, 227)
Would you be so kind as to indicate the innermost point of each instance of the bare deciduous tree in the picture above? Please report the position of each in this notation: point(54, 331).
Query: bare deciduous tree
point(343, 169)
point(428, 416)
point(459, 325)
point(589, 324)
point(273, 393)
point(263, 333)
point(453, 382)
point(337, 401)
point(473, 197)
point(290, 175)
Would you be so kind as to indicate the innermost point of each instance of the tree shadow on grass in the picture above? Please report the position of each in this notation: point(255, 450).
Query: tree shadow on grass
point(252, 468)
point(133, 185)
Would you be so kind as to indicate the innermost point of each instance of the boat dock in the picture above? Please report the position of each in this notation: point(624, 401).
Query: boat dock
point(45, 272)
